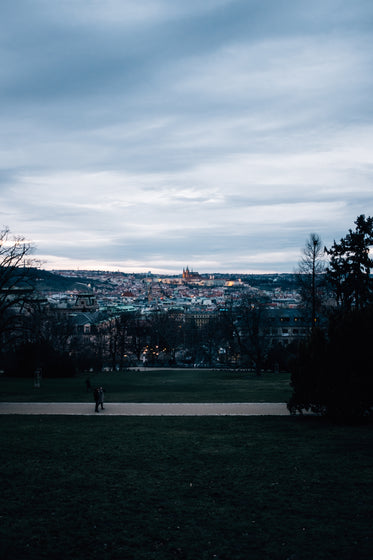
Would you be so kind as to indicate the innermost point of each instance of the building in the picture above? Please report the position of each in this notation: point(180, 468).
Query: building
point(190, 276)
point(284, 326)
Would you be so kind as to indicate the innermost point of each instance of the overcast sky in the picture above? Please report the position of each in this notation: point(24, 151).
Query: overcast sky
point(154, 134)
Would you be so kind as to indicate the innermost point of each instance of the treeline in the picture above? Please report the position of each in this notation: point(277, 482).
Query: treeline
point(239, 336)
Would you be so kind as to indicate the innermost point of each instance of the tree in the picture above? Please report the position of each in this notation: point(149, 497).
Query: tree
point(138, 334)
point(16, 285)
point(332, 374)
point(310, 276)
point(251, 324)
point(191, 339)
point(118, 335)
point(350, 264)
point(332, 371)
point(230, 334)
point(165, 336)
point(308, 375)
point(211, 339)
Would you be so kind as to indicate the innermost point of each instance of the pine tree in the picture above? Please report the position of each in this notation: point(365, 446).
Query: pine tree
point(350, 265)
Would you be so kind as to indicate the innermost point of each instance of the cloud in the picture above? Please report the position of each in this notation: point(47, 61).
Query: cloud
point(212, 133)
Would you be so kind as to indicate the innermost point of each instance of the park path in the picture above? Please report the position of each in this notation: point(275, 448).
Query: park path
point(148, 409)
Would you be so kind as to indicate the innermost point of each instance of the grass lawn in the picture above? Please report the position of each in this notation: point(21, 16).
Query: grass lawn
point(183, 385)
point(228, 488)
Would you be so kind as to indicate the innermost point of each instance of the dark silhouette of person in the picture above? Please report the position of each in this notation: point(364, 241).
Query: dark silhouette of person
point(101, 397)
point(96, 396)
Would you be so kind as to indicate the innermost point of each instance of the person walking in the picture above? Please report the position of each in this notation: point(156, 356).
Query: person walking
point(96, 396)
point(101, 397)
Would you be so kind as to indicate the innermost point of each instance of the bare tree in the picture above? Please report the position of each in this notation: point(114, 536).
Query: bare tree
point(250, 329)
point(16, 283)
point(310, 274)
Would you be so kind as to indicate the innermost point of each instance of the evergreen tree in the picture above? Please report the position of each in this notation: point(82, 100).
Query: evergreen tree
point(350, 265)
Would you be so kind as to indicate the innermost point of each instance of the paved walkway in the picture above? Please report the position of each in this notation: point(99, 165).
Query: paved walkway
point(149, 409)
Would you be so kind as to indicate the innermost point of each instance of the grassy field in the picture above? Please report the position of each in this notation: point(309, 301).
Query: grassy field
point(185, 488)
point(184, 385)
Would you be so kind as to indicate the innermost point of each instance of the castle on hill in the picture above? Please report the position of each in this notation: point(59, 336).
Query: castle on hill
point(190, 275)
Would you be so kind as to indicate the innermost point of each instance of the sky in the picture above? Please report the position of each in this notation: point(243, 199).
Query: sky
point(151, 135)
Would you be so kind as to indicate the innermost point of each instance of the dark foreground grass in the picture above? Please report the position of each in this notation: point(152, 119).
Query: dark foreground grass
point(158, 488)
point(183, 385)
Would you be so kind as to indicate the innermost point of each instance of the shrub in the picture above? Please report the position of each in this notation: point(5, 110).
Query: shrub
point(28, 357)
point(333, 374)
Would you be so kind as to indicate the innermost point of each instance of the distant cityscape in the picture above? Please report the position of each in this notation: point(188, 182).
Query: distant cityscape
point(85, 320)
point(146, 319)
point(188, 291)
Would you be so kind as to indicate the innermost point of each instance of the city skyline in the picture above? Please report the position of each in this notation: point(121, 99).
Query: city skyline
point(158, 134)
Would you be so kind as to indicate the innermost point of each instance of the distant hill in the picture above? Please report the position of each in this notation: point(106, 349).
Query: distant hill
point(45, 281)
